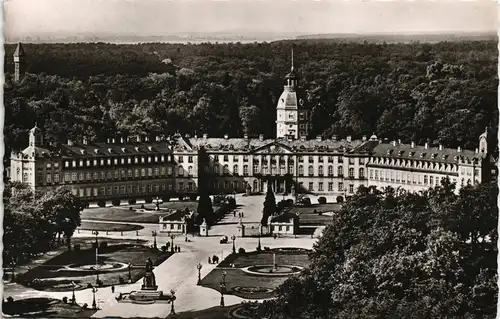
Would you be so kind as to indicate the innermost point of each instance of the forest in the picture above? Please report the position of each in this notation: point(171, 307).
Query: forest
point(443, 93)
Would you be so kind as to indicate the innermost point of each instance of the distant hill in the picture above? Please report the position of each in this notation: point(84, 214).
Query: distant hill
point(404, 38)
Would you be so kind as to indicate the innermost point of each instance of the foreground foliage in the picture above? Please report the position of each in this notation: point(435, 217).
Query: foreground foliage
point(33, 221)
point(395, 254)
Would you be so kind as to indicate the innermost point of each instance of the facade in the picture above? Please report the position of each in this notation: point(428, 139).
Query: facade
point(284, 224)
point(145, 167)
point(176, 222)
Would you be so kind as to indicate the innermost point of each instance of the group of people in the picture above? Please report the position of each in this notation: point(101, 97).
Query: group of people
point(177, 249)
point(240, 214)
point(213, 260)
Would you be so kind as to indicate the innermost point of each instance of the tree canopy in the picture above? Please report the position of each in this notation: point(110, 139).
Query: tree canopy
point(396, 254)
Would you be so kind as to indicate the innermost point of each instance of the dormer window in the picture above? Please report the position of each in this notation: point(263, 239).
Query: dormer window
point(83, 152)
point(444, 156)
point(150, 148)
point(109, 150)
point(129, 160)
point(124, 150)
point(411, 154)
point(136, 148)
point(422, 155)
point(455, 158)
point(400, 153)
point(389, 152)
point(433, 156)
point(96, 151)
point(122, 160)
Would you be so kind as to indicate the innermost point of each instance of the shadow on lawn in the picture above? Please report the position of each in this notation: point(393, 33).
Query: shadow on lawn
point(44, 308)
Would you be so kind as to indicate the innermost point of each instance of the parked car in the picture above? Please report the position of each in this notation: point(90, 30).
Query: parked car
point(224, 240)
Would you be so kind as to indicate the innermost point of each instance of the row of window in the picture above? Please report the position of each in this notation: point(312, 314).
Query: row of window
point(122, 174)
point(282, 171)
point(129, 189)
point(282, 159)
point(122, 160)
point(406, 177)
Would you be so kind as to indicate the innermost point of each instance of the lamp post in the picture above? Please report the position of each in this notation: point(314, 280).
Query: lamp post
point(129, 272)
point(172, 246)
point(199, 266)
point(172, 310)
point(96, 233)
point(73, 299)
point(258, 246)
point(234, 248)
point(222, 288)
point(154, 234)
point(94, 290)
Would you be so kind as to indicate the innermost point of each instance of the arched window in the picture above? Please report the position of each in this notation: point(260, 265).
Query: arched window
point(301, 170)
point(320, 170)
point(290, 169)
point(330, 170)
point(255, 185)
point(190, 170)
point(310, 171)
point(340, 171)
point(351, 172)
point(216, 168)
point(245, 170)
point(226, 169)
point(235, 170)
point(181, 171)
point(361, 172)
point(143, 172)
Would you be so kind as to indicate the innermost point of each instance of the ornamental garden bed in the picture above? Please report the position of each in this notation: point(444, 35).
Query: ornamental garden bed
point(309, 218)
point(45, 308)
point(109, 226)
point(78, 266)
point(250, 286)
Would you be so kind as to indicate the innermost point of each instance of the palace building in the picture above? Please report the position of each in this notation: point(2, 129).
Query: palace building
point(146, 167)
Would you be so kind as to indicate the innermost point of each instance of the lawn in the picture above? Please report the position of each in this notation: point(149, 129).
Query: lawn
point(309, 218)
point(52, 275)
point(124, 214)
point(210, 313)
point(109, 226)
point(237, 278)
point(45, 308)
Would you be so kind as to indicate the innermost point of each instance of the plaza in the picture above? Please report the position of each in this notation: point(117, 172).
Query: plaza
point(179, 272)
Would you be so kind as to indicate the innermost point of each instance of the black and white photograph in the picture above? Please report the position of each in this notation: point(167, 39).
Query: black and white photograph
point(250, 159)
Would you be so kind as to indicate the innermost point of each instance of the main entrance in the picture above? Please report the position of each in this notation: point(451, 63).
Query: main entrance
point(279, 184)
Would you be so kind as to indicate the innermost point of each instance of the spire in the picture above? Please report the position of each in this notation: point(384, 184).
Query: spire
point(292, 58)
point(19, 50)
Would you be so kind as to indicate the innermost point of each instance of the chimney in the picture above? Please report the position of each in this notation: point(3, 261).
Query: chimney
point(226, 136)
point(364, 138)
point(459, 149)
point(334, 137)
point(261, 137)
point(349, 138)
point(440, 147)
point(318, 138)
point(205, 136)
point(70, 142)
point(426, 145)
point(412, 144)
point(393, 143)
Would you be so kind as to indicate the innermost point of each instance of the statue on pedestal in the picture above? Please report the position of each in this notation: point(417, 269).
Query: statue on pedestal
point(149, 281)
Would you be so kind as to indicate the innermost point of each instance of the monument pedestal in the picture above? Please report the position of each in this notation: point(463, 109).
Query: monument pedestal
point(204, 229)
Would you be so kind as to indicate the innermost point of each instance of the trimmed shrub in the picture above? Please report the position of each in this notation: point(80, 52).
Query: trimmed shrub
point(65, 300)
point(181, 197)
point(115, 202)
point(193, 197)
point(131, 201)
point(267, 248)
point(340, 199)
point(148, 200)
point(165, 198)
point(259, 248)
point(101, 203)
point(163, 248)
point(322, 200)
point(85, 306)
point(121, 280)
point(130, 208)
point(76, 247)
point(241, 250)
point(103, 245)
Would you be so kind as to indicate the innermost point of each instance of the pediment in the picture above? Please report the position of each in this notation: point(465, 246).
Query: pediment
point(273, 148)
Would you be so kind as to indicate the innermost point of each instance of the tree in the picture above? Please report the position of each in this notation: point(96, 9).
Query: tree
point(269, 206)
point(393, 253)
point(205, 210)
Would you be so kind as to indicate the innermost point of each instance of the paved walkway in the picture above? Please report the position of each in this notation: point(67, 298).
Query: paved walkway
point(179, 272)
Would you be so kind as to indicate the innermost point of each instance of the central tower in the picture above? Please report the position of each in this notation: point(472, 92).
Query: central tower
point(291, 117)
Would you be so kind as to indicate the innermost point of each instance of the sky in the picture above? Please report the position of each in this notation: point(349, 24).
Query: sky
point(159, 17)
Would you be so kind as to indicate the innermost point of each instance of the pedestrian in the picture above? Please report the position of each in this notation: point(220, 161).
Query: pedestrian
point(209, 260)
point(113, 289)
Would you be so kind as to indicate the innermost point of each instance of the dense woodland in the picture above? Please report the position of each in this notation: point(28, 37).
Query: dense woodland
point(395, 254)
point(443, 93)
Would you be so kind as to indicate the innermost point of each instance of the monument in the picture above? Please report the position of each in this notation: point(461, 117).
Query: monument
point(149, 292)
point(204, 229)
point(149, 281)
point(241, 228)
